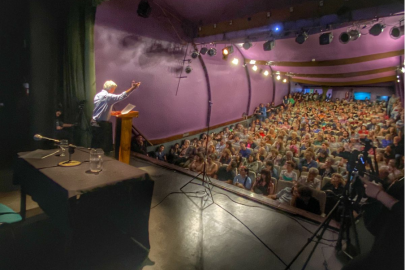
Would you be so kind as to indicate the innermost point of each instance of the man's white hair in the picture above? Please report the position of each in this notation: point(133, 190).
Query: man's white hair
point(109, 84)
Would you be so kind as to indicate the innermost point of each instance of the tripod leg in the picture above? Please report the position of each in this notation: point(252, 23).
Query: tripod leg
point(341, 230)
point(195, 177)
point(356, 236)
point(316, 243)
point(323, 226)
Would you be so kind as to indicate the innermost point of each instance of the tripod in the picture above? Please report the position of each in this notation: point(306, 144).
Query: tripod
point(206, 181)
point(347, 221)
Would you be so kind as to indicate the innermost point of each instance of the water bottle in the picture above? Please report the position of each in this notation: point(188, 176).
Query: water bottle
point(96, 160)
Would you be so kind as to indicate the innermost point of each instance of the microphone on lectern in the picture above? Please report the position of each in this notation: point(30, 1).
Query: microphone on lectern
point(39, 137)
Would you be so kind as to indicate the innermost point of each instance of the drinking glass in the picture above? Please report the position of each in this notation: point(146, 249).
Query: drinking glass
point(63, 144)
point(96, 160)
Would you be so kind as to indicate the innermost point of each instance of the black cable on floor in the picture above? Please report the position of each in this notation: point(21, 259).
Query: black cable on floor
point(253, 234)
point(308, 230)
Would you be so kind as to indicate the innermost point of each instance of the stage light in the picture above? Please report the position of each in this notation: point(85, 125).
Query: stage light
point(235, 61)
point(247, 45)
point(252, 62)
point(144, 9)
point(269, 45)
point(285, 80)
point(278, 77)
point(300, 39)
point(254, 68)
point(266, 73)
point(227, 50)
point(212, 51)
point(194, 54)
point(203, 50)
point(377, 29)
point(347, 36)
point(396, 32)
point(188, 69)
point(325, 38)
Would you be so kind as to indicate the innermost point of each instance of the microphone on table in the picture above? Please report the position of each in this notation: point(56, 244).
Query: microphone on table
point(68, 163)
point(39, 137)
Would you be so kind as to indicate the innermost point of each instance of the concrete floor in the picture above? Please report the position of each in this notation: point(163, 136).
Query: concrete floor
point(181, 236)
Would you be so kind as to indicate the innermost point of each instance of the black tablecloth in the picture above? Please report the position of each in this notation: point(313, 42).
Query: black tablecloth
point(69, 195)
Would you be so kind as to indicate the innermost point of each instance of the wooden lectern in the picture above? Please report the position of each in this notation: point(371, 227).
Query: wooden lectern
point(123, 135)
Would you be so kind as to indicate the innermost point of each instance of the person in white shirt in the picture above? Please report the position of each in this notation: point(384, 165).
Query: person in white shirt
point(101, 127)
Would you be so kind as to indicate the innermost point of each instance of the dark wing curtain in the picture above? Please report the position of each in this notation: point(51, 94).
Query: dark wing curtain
point(79, 80)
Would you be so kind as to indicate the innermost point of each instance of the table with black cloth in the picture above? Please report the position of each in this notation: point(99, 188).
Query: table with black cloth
point(69, 195)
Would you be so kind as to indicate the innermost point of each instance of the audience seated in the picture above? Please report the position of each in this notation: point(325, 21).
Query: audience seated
point(302, 199)
point(242, 180)
point(264, 184)
point(311, 179)
point(297, 136)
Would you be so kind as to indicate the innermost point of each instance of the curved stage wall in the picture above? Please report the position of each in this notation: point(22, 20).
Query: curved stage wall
point(148, 50)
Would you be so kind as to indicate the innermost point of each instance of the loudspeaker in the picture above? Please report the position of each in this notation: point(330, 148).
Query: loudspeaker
point(144, 9)
point(325, 39)
point(268, 45)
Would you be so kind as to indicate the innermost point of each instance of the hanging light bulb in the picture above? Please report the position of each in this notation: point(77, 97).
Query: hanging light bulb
point(285, 80)
point(278, 77)
point(266, 73)
point(254, 68)
point(235, 61)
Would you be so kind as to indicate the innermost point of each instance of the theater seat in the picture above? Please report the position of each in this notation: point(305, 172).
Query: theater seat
point(321, 197)
point(283, 184)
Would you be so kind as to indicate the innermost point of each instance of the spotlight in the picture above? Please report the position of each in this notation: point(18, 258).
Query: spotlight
point(203, 50)
point(144, 9)
point(325, 38)
point(300, 39)
point(285, 80)
point(188, 69)
point(377, 29)
point(278, 77)
point(269, 45)
point(254, 68)
point(235, 61)
point(266, 73)
point(227, 50)
point(194, 54)
point(396, 32)
point(345, 37)
point(252, 62)
point(247, 45)
point(212, 51)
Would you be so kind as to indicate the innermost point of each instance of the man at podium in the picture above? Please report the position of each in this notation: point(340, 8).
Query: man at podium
point(101, 127)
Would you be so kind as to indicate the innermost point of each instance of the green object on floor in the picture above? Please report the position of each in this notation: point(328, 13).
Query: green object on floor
point(7, 215)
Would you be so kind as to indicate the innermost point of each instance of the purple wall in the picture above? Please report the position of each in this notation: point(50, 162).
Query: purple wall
point(229, 87)
point(262, 88)
point(149, 51)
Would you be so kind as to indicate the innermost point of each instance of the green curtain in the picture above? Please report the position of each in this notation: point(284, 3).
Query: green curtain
point(79, 80)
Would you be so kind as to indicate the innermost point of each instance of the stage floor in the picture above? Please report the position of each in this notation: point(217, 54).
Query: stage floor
point(181, 236)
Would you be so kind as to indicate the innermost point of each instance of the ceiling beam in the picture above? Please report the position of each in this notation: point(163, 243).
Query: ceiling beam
point(337, 62)
point(348, 83)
